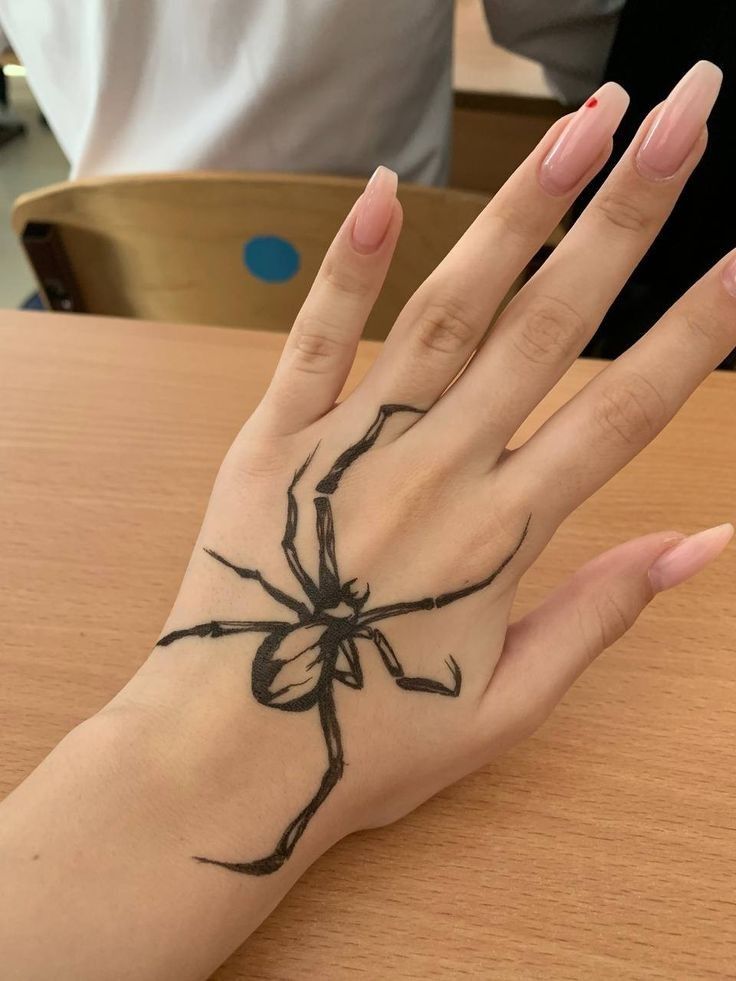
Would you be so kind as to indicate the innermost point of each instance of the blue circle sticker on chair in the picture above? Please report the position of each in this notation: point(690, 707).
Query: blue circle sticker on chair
point(271, 258)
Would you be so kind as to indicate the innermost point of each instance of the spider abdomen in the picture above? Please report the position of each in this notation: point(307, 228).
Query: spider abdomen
point(292, 664)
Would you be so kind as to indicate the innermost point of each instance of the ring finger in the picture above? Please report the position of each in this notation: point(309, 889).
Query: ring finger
point(625, 406)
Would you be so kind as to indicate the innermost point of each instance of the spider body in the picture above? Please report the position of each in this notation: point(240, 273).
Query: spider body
point(297, 663)
point(292, 664)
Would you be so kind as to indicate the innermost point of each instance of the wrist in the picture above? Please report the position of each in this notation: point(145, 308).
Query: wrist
point(222, 770)
point(99, 841)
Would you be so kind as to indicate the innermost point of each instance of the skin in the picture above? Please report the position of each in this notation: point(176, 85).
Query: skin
point(184, 761)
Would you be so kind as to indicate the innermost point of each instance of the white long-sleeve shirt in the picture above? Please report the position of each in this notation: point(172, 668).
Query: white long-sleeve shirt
point(331, 86)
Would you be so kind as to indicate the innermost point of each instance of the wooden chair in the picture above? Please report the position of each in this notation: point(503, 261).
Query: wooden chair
point(492, 134)
point(177, 247)
point(8, 57)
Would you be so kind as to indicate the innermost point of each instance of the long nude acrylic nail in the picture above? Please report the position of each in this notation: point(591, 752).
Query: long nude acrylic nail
point(688, 557)
point(679, 122)
point(374, 211)
point(583, 140)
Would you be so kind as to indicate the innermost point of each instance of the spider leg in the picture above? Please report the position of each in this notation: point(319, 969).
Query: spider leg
point(220, 628)
point(296, 828)
point(446, 598)
point(278, 594)
point(329, 577)
point(353, 677)
point(396, 610)
point(386, 651)
point(432, 685)
point(328, 484)
point(288, 543)
point(393, 665)
point(436, 602)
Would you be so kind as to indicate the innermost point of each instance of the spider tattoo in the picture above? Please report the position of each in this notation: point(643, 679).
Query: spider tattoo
point(297, 663)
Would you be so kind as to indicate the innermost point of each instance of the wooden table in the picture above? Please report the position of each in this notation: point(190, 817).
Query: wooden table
point(605, 847)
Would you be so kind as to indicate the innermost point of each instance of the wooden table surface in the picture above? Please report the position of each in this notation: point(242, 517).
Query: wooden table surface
point(604, 847)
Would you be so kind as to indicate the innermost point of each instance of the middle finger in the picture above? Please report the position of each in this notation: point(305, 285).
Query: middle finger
point(446, 319)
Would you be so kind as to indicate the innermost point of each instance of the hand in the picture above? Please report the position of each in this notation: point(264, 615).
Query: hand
point(358, 561)
point(340, 648)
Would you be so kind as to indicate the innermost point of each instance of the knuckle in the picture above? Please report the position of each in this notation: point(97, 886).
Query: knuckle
point(551, 330)
point(315, 346)
point(515, 221)
point(340, 278)
point(446, 326)
point(630, 411)
point(609, 619)
point(705, 324)
point(623, 212)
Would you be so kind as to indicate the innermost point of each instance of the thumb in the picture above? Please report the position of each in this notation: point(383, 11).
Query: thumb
point(551, 646)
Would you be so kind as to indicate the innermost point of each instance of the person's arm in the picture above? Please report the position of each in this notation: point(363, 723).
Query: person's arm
point(571, 39)
point(340, 647)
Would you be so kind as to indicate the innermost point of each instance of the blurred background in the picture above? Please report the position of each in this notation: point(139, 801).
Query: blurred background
point(213, 155)
point(31, 158)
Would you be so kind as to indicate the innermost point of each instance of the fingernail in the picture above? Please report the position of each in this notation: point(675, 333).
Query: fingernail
point(678, 124)
point(728, 276)
point(583, 140)
point(688, 557)
point(374, 210)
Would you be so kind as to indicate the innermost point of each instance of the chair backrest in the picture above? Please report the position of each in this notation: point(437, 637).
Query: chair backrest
point(220, 248)
point(492, 134)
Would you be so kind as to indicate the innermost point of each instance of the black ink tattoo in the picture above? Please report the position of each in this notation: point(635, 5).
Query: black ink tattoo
point(296, 665)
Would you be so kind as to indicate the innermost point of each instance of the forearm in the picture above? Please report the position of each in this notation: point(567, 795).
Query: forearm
point(96, 852)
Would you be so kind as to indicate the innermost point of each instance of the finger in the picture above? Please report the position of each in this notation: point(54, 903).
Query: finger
point(447, 317)
point(553, 317)
point(549, 648)
point(625, 406)
point(321, 346)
